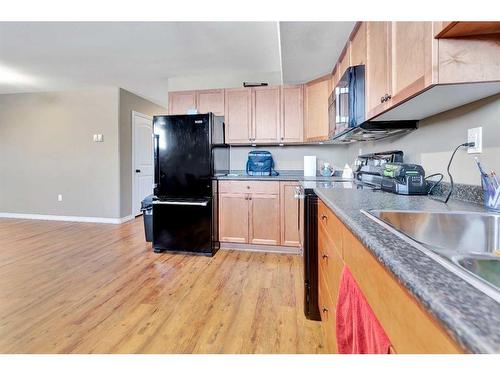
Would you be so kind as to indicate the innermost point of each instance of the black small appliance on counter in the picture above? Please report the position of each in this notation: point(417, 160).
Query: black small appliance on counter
point(406, 179)
point(386, 170)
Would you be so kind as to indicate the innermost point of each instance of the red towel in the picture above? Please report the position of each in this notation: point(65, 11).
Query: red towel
point(358, 330)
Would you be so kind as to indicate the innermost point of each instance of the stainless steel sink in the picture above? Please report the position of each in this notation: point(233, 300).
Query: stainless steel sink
point(483, 267)
point(467, 243)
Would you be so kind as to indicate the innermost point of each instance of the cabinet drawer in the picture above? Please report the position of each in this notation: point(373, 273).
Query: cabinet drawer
point(332, 226)
point(262, 187)
point(327, 311)
point(331, 264)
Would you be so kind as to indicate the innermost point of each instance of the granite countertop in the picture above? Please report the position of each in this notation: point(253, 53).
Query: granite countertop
point(283, 176)
point(469, 316)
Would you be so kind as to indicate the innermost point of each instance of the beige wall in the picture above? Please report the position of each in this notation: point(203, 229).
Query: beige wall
point(47, 148)
point(431, 145)
point(130, 102)
point(292, 157)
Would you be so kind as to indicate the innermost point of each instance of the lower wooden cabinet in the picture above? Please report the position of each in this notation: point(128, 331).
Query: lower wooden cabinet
point(233, 217)
point(264, 219)
point(258, 213)
point(409, 327)
point(289, 214)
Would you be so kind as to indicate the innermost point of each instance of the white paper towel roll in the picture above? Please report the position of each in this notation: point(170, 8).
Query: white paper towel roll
point(309, 166)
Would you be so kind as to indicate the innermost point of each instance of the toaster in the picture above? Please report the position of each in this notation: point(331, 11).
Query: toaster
point(406, 179)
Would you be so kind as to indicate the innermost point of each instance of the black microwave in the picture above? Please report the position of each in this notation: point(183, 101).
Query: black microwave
point(346, 104)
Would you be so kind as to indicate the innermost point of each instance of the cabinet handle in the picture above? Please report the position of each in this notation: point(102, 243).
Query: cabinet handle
point(382, 99)
point(324, 217)
point(324, 256)
point(325, 310)
point(388, 97)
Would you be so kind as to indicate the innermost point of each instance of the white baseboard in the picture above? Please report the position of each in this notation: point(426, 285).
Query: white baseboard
point(79, 219)
point(262, 248)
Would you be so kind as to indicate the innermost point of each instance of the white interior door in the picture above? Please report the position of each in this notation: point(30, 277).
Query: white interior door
point(143, 164)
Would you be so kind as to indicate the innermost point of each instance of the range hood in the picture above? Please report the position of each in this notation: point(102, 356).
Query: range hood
point(373, 130)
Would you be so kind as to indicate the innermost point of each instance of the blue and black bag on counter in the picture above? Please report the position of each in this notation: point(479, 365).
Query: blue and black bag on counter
point(260, 163)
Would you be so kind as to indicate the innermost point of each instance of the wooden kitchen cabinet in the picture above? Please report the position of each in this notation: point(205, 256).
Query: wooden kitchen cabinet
point(233, 217)
point(210, 101)
point(180, 101)
point(378, 68)
point(266, 114)
point(411, 45)
point(344, 61)
point(238, 115)
point(316, 109)
point(264, 217)
point(458, 29)
point(292, 109)
point(357, 48)
point(409, 327)
point(249, 212)
point(289, 207)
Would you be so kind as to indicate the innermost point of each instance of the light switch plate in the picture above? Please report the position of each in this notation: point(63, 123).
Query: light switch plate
point(59, 197)
point(475, 135)
point(99, 138)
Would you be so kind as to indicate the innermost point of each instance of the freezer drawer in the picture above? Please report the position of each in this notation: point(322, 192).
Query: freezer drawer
point(185, 226)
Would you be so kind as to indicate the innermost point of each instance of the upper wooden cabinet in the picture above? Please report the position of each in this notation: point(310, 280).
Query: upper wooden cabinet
point(378, 69)
point(316, 109)
point(410, 62)
point(292, 119)
point(465, 28)
point(180, 101)
point(357, 48)
point(344, 62)
point(266, 114)
point(238, 115)
point(210, 101)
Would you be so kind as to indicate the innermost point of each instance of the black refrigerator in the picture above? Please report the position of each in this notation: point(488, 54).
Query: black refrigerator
point(190, 152)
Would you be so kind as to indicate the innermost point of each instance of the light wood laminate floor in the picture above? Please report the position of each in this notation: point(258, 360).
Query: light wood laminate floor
point(98, 288)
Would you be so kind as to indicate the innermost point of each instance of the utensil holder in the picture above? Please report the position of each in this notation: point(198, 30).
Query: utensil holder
point(491, 193)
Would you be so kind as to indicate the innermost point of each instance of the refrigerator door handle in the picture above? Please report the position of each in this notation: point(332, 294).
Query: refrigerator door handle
point(182, 203)
point(157, 160)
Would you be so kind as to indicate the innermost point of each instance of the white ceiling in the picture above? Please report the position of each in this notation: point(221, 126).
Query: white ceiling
point(143, 56)
point(310, 49)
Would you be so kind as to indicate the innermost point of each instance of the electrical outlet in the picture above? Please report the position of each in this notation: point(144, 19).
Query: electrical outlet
point(475, 135)
point(95, 137)
point(59, 197)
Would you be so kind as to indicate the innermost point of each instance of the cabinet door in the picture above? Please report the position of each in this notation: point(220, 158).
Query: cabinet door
point(292, 120)
point(358, 46)
point(289, 215)
point(180, 101)
point(411, 59)
point(316, 109)
point(233, 217)
point(266, 114)
point(377, 67)
point(210, 101)
point(264, 219)
point(344, 61)
point(238, 115)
